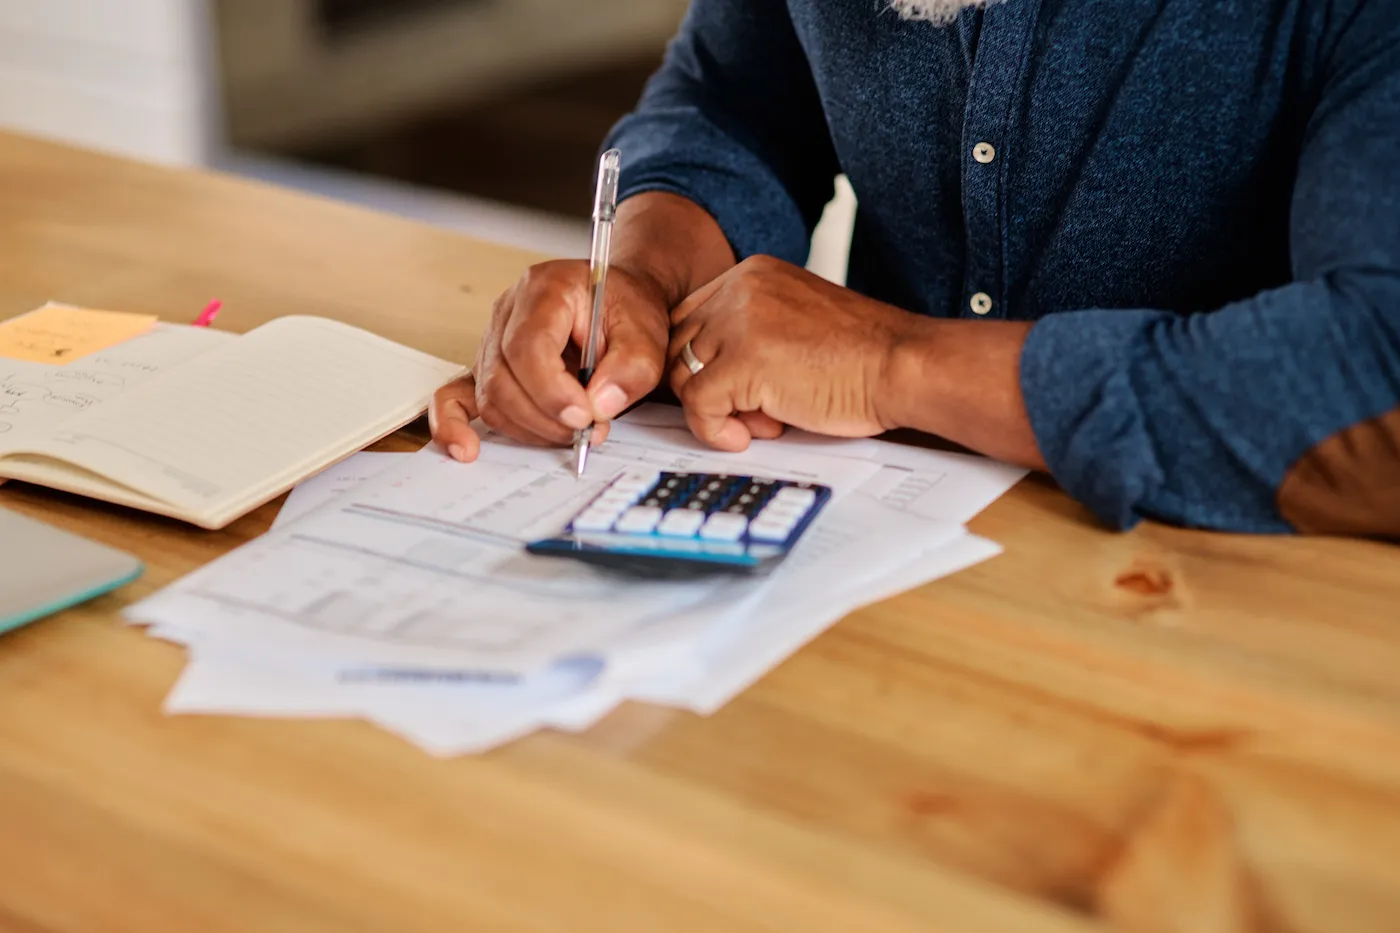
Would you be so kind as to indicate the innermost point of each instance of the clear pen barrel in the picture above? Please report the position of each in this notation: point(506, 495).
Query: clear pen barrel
point(604, 213)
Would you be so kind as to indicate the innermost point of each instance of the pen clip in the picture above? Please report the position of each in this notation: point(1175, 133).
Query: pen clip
point(609, 175)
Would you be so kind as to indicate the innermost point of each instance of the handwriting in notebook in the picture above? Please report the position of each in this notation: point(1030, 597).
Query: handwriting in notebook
point(39, 397)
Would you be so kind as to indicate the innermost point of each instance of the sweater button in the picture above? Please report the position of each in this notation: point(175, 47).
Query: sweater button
point(981, 303)
point(984, 152)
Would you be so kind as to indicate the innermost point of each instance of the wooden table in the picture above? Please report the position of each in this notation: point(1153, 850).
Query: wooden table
point(1158, 731)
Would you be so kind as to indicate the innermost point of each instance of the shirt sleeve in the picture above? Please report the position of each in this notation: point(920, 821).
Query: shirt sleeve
point(1279, 413)
point(732, 121)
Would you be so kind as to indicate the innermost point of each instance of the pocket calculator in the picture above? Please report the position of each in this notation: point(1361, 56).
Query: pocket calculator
point(678, 525)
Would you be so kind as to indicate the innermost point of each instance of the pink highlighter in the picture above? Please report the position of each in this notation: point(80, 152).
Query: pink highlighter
point(206, 317)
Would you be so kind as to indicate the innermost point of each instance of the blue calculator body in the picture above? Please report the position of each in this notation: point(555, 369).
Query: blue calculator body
point(678, 525)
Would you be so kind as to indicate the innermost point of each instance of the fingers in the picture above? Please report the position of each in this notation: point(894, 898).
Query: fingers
point(450, 416)
point(697, 300)
point(533, 341)
point(700, 344)
point(505, 406)
point(761, 426)
point(708, 397)
point(709, 404)
point(632, 362)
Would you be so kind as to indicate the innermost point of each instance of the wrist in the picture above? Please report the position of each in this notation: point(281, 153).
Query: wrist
point(910, 375)
point(670, 244)
point(960, 380)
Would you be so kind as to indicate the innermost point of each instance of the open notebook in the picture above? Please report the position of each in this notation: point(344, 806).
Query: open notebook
point(204, 426)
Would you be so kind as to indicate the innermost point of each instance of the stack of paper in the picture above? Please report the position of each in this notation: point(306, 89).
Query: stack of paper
point(396, 588)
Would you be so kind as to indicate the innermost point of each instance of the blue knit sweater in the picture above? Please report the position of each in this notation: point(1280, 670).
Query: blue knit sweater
point(1198, 202)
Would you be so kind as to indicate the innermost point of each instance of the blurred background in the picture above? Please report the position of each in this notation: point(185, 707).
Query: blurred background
point(483, 116)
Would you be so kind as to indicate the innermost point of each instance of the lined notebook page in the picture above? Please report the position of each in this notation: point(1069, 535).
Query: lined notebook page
point(253, 417)
point(35, 398)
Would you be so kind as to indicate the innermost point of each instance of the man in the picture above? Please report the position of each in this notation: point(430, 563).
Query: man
point(1152, 246)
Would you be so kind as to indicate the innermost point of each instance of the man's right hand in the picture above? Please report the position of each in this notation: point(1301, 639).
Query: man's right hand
point(525, 381)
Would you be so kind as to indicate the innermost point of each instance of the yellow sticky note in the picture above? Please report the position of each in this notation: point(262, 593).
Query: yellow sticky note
point(58, 334)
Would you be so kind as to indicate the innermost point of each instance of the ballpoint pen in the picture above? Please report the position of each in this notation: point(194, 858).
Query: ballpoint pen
point(599, 255)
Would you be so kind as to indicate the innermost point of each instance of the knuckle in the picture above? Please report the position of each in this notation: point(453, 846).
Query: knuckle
point(759, 264)
point(488, 390)
point(522, 350)
point(551, 277)
point(515, 343)
point(691, 392)
point(532, 276)
point(648, 368)
point(501, 308)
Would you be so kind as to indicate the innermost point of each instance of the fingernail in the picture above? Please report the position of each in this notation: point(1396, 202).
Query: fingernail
point(609, 402)
point(456, 452)
point(575, 418)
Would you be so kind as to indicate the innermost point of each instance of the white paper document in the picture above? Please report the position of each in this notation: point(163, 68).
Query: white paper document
point(427, 570)
point(935, 484)
point(334, 482)
point(396, 588)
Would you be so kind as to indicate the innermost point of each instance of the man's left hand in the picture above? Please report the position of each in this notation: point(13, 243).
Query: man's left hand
point(781, 346)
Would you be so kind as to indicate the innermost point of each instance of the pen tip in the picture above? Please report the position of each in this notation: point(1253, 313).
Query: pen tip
point(580, 458)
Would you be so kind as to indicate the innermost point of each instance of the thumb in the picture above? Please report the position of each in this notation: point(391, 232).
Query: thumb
point(631, 365)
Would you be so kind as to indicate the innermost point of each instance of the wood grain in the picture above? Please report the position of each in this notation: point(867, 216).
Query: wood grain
point(1152, 732)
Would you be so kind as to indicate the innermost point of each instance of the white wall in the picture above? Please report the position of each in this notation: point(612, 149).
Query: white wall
point(128, 76)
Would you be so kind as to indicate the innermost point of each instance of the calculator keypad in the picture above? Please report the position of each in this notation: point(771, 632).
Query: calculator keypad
point(699, 505)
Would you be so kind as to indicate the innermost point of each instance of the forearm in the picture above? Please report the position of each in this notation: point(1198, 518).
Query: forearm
point(670, 242)
point(960, 380)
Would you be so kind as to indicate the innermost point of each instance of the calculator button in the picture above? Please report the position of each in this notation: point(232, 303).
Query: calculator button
point(594, 520)
point(635, 483)
point(613, 500)
point(639, 520)
point(748, 504)
point(802, 497)
point(782, 515)
point(768, 529)
point(681, 523)
point(724, 527)
point(784, 510)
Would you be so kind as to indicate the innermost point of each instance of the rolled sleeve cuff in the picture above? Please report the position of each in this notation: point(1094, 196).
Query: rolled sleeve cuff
point(1077, 377)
